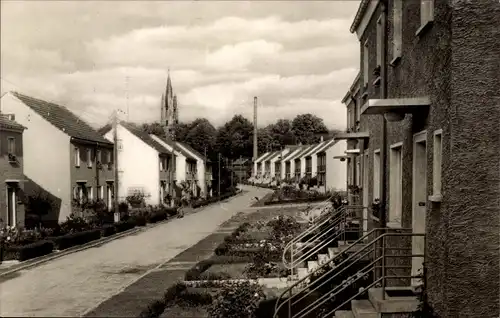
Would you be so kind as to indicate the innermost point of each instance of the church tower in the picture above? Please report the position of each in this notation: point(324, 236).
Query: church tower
point(169, 111)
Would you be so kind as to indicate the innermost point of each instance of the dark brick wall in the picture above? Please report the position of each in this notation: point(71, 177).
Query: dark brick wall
point(460, 74)
point(11, 171)
point(471, 202)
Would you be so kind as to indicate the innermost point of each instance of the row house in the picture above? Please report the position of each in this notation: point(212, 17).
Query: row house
point(287, 165)
point(11, 171)
point(258, 166)
point(423, 139)
point(144, 165)
point(202, 172)
point(63, 156)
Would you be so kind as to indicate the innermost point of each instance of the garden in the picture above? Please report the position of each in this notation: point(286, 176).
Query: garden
point(239, 280)
point(292, 194)
point(91, 221)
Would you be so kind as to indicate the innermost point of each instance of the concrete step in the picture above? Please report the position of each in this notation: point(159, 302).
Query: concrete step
point(363, 309)
point(344, 314)
point(323, 258)
point(406, 304)
point(302, 272)
point(312, 265)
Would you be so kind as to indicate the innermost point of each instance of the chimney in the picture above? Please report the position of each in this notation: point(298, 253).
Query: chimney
point(255, 154)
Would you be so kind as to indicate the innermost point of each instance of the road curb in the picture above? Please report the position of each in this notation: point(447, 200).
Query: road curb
point(54, 255)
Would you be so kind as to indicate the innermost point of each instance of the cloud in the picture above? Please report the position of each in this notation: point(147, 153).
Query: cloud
point(94, 57)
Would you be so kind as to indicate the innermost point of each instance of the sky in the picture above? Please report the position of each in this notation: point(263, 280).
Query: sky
point(96, 56)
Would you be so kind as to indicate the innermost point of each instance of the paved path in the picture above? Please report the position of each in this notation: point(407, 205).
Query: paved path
point(73, 284)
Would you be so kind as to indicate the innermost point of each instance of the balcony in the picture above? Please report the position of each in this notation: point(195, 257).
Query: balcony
point(394, 109)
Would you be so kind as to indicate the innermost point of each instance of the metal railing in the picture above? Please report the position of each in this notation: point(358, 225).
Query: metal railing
point(377, 263)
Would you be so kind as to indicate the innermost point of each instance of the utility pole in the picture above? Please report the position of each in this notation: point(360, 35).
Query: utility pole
point(255, 150)
point(218, 191)
point(115, 166)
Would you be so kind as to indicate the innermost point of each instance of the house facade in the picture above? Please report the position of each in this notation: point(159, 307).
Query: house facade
point(11, 171)
point(199, 172)
point(423, 138)
point(143, 165)
point(77, 157)
point(242, 169)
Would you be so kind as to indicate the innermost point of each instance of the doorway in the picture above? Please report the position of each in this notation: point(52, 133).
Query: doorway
point(365, 192)
point(11, 206)
point(109, 197)
point(419, 201)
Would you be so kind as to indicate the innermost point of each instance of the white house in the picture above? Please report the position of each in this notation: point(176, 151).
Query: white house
point(286, 166)
point(201, 164)
point(276, 167)
point(143, 164)
point(184, 162)
point(307, 160)
point(258, 169)
point(336, 170)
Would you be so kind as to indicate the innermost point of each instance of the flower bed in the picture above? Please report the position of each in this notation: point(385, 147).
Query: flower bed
point(289, 194)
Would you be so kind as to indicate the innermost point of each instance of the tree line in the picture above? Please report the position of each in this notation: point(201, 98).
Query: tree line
point(234, 139)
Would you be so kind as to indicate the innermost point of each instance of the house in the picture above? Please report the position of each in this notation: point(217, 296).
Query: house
point(143, 164)
point(186, 169)
point(300, 162)
point(287, 166)
point(12, 174)
point(331, 173)
point(202, 178)
point(423, 138)
point(242, 168)
point(258, 169)
point(63, 156)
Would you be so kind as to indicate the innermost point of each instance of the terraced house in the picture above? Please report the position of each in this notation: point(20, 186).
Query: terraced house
point(143, 165)
point(423, 139)
point(62, 155)
point(423, 169)
point(11, 171)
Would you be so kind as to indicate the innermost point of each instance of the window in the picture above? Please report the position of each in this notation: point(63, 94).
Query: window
point(380, 39)
point(99, 157)
point(426, 12)
point(77, 157)
point(162, 164)
point(89, 193)
point(365, 64)
point(109, 160)
point(397, 31)
point(376, 174)
point(437, 163)
point(89, 157)
point(349, 115)
point(11, 145)
point(395, 183)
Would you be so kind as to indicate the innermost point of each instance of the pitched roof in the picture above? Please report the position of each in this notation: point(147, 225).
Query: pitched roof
point(269, 155)
point(259, 159)
point(327, 145)
point(11, 124)
point(176, 147)
point(192, 150)
point(304, 151)
point(292, 153)
point(314, 150)
point(139, 133)
point(275, 155)
point(62, 118)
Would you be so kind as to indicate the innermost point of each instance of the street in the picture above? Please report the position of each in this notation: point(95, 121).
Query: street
point(76, 283)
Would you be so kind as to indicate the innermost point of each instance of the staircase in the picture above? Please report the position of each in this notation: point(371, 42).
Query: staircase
point(338, 271)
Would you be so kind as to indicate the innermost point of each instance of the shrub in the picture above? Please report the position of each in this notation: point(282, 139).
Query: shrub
point(107, 230)
point(76, 238)
point(237, 300)
point(28, 251)
point(194, 273)
point(74, 224)
point(157, 214)
point(124, 225)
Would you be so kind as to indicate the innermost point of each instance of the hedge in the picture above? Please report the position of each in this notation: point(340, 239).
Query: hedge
point(73, 239)
point(123, 226)
point(28, 251)
point(195, 272)
point(108, 230)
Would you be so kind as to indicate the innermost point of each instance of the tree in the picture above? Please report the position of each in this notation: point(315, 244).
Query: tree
point(234, 139)
point(154, 128)
point(282, 132)
point(306, 128)
point(201, 135)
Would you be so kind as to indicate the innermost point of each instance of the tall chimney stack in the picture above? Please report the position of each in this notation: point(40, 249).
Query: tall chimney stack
point(255, 152)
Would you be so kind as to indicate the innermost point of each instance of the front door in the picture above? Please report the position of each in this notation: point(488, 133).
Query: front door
point(109, 197)
point(419, 200)
point(11, 206)
point(365, 192)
